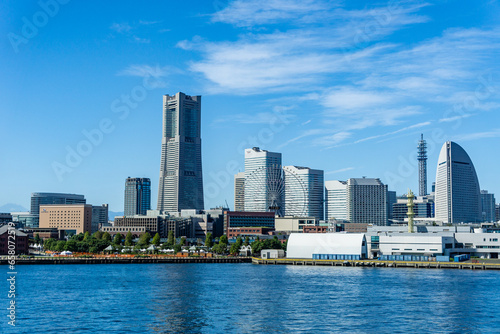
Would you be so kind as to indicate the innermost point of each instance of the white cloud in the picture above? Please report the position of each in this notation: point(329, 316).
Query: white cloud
point(120, 27)
point(255, 12)
point(146, 71)
point(478, 135)
point(339, 171)
point(340, 63)
point(258, 118)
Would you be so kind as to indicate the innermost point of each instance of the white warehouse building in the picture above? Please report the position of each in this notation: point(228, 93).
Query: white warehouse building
point(305, 245)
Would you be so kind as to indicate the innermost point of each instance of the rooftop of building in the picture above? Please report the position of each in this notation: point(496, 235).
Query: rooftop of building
point(5, 228)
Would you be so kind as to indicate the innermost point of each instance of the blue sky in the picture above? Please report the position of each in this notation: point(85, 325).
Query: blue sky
point(343, 86)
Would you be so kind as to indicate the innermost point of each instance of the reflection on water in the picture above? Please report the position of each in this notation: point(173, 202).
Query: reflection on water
point(246, 298)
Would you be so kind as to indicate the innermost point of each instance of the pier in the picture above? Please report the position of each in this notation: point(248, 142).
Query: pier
point(379, 263)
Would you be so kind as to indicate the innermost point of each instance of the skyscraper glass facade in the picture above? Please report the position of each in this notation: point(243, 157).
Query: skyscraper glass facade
point(181, 180)
point(137, 196)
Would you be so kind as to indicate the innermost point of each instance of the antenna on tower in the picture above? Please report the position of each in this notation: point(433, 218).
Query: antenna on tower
point(422, 166)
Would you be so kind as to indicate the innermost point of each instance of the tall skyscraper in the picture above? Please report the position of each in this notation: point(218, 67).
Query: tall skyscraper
point(336, 200)
point(488, 206)
point(181, 179)
point(458, 197)
point(137, 196)
point(239, 192)
point(367, 201)
point(264, 184)
point(304, 188)
point(422, 166)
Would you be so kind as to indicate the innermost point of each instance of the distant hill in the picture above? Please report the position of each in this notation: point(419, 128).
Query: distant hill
point(112, 214)
point(11, 207)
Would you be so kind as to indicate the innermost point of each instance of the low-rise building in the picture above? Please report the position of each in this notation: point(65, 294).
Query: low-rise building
point(248, 219)
point(292, 224)
point(19, 244)
point(315, 229)
point(136, 231)
point(235, 232)
point(5, 218)
point(45, 233)
point(306, 245)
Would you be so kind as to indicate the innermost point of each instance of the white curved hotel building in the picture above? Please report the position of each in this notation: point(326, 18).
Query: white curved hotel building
point(458, 197)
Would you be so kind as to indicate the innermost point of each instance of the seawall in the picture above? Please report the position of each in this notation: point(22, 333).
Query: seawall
point(378, 263)
point(120, 260)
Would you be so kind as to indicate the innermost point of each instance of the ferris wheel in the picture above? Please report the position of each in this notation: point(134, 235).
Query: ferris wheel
point(275, 189)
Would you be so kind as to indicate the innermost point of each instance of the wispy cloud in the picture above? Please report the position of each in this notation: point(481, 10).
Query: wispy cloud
point(147, 71)
point(120, 27)
point(339, 171)
point(259, 118)
point(342, 63)
point(407, 128)
point(133, 30)
point(478, 135)
point(255, 12)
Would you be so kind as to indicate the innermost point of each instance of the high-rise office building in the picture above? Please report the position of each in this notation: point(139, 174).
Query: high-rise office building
point(181, 179)
point(367, 201)
point(391, 200)
point(458, 198)
point(38, 199)
point(336, 200)
point(99, 216)
point(497, 212)
point(361, 200)
point(239, 192)
point(488, 206)
point(137, 196)
point(423, 208)
point(264, 185)
point(304, 188)
point(422, 166)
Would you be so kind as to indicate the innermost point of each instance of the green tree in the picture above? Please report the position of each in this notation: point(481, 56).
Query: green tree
point(86, 236)
point(177, 248)
point(128, 239)
point(235, 248)
point(117, 240)
point(49, 244)
point(106, 237)
point(209, 240)
point(284, 245)
point(97, 235)
point(247, 241)
point(94, 249)
point(37, 238)
point(60, 246)
point(183, 241)
point(156, 240)
point(223, 239)
point(144, 240)
point(71, 245)
point(171, 239)
point(199, 242)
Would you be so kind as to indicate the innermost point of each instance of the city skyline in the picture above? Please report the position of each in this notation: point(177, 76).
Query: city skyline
point(345, 88)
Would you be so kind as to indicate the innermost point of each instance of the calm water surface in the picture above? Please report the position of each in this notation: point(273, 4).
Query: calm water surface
point(246, 298)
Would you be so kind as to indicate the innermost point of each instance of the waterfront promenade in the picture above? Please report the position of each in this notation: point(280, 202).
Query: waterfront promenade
point(124, 260)
point(480, 265)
